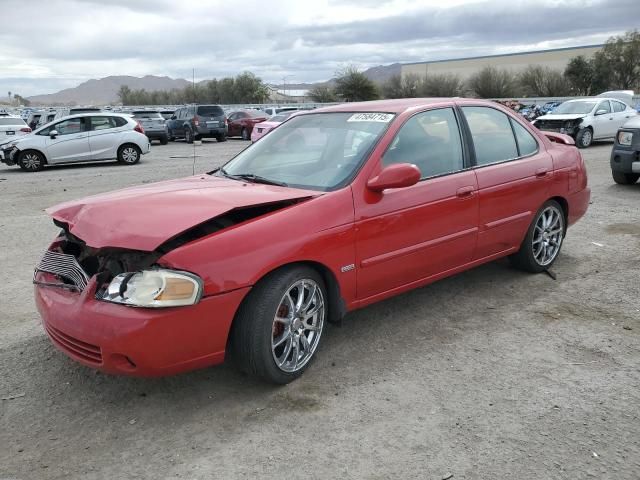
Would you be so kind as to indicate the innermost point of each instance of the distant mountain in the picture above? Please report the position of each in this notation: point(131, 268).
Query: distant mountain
point(105, 90)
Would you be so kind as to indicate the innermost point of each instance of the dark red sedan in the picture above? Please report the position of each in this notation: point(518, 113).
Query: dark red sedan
point(334, 210)
point(241, 123)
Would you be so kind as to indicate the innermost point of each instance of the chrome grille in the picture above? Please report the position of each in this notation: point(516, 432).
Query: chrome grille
point(65, 266)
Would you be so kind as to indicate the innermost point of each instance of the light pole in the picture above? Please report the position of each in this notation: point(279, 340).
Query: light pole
point(284, 83)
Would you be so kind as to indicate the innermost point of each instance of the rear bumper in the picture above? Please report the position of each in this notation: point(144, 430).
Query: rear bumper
point(578, 205)
point(156, 133)
point(137, 341)
point(211, 131)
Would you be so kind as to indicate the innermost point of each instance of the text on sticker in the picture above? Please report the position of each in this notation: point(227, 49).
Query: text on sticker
point(370, 117)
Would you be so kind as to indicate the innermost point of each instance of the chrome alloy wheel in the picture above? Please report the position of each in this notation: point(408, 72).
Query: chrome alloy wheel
point(297, 325)
point(129, 155)
point(547, 235)
point(31, 161)
point(587, 136)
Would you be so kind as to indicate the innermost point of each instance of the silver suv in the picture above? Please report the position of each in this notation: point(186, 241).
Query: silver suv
point(154, 124)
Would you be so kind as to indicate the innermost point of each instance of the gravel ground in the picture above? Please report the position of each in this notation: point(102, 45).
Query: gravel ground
point(490, 374)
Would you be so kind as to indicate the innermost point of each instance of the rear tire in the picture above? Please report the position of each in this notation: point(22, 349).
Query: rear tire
point(164, 140)
point(170, 136)
point(541, 246)
point(188, 135)
point(221, 138)
point(584, 138)
point(625, 178)
point(245, 134)
point(129, 154)
point(31, 161)
point(267, 336)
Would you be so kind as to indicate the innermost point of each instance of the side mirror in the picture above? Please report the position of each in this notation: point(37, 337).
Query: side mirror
point(173, 117)
point(601, 112)
point(398, 175)
point(53, 133)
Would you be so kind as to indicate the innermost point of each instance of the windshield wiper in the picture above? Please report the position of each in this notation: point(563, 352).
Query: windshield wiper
point(255, 179)
point(249, 177)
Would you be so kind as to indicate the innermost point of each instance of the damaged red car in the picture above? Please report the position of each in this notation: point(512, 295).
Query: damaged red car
point(332, 211)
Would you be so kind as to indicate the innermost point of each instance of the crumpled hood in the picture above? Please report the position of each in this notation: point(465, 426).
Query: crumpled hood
point(144, 217)
point(554, 116)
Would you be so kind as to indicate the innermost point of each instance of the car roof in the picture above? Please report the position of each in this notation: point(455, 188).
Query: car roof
point(388, 106)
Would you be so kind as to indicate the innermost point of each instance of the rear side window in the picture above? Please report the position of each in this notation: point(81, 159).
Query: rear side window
point(618, 106)
point(492, 135)
point(102, 123)
point(429, 140)
point(210, 111)
point(527, 145)
point(119, 121)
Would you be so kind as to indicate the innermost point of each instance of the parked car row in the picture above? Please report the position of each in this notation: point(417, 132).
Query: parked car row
point(84, 137)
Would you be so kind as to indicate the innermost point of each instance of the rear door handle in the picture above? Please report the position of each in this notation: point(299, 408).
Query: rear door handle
point(541, 172)
point(463, 192)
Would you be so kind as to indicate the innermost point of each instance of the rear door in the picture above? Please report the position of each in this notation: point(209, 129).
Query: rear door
point(514, 174)
point(71, 144)
point(410, 234)
point(621, 113)
point(104, 135)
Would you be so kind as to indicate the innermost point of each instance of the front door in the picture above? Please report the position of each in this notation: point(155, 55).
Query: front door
point(604, 124)
point(409, 234)
point(71, 144)
point(514, 175)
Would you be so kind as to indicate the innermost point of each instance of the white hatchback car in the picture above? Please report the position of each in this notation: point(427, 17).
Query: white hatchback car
point(84, 137)
point(587, 119)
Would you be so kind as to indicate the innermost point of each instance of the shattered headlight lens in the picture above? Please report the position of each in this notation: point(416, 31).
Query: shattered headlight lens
point(625, 138)
point(155, 289)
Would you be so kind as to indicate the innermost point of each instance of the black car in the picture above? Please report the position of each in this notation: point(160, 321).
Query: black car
point(625, 156)
point(195, 122)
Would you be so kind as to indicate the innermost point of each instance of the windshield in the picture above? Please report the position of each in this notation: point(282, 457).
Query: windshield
point(319, 151)
point(11, 121)
point(147, 115)
point(581, 106)
point(210, 111)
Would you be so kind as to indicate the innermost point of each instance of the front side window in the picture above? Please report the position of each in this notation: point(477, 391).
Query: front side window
point(603, 108)
point(429, 140)
point(69, 126)
point(319, 151)
point(492, 135)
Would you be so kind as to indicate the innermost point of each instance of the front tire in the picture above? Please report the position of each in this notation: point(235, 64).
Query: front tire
point(584, 138)
point(625, 178)
point(129, 154)
point(31, 161)
point(279, 326)
point(541, 246)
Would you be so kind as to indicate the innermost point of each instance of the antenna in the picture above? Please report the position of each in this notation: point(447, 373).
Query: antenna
point(195, 111)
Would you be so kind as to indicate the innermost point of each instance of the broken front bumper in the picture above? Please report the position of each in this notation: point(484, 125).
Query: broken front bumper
point(8, 155)
point(144, 342)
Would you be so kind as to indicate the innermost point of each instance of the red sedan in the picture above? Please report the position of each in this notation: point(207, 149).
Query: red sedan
point(241, 123)
point(332, 211)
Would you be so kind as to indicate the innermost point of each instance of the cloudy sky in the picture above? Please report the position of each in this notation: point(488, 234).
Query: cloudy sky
point(47, 45)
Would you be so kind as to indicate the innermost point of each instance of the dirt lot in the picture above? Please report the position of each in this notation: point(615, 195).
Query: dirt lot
point(487, 375)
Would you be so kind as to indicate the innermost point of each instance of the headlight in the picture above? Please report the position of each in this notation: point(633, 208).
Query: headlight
point(155, 288)
point(625, 138)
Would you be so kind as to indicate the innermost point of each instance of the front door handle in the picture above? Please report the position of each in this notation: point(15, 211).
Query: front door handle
point(463, 192)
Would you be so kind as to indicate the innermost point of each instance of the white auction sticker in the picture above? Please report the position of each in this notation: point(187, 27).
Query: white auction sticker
point(371, 117)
